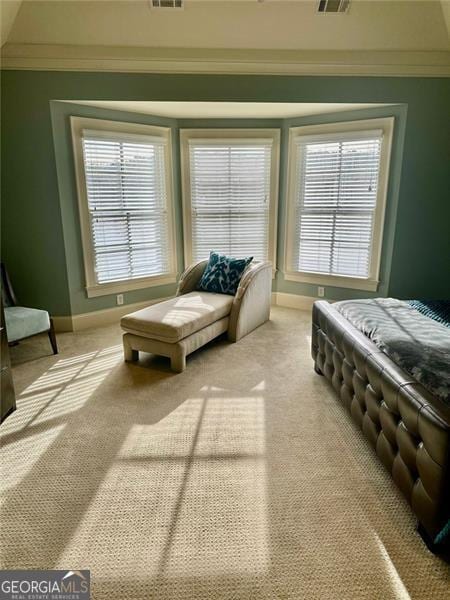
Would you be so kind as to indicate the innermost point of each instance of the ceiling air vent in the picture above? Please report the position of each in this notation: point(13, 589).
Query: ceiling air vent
point(167, 3)
point(333, 6)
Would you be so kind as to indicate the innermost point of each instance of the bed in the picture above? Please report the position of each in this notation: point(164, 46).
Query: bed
point(377, 354)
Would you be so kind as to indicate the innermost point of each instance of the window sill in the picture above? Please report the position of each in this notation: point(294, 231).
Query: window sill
point(105, 289)
point(353, 283)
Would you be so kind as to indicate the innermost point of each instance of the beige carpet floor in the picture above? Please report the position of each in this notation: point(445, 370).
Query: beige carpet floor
point(241, 478)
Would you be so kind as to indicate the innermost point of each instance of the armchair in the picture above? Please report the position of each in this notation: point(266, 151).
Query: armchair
point(22, 322)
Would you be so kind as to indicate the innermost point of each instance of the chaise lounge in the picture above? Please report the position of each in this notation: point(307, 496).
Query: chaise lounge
point(179, 326)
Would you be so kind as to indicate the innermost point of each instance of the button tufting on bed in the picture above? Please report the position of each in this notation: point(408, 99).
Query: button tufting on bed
point(408, 428)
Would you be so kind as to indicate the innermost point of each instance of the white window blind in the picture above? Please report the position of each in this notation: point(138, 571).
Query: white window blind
point(337, 185)
point(127, 205)
point(230, 197)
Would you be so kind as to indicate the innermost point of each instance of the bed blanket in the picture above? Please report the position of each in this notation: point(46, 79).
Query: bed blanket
point(416, 343)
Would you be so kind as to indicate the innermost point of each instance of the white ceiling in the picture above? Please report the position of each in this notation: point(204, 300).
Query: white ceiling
point(226, 110)
point(239, 24)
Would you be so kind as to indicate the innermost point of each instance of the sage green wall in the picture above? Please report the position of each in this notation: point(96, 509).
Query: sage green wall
point(61, 112)
point(399, 112)
point(39, 243)
point(60, 115)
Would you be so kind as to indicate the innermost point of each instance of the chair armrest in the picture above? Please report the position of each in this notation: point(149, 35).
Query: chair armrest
point(251, 304)
point(190, 278)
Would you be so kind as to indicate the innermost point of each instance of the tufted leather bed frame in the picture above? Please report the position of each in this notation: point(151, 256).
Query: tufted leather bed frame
point(407, 426)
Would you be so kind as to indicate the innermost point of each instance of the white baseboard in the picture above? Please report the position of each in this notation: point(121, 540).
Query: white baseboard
point(62, 324)
point(99, 318)
point(293, 301)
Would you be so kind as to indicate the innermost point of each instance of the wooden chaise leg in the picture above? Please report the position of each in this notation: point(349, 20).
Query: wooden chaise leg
point(52, 337)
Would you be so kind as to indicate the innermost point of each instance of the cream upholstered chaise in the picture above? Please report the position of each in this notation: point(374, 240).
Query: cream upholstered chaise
point(180, 325)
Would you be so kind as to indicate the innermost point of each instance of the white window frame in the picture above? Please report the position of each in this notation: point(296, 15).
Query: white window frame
point(233, 135)
point(357, 283)
point(93, 288)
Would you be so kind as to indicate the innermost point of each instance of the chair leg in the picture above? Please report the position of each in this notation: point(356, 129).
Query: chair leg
point(52, 337)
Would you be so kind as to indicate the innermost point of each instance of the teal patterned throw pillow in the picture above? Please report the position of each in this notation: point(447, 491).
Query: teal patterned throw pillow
point(223, 273)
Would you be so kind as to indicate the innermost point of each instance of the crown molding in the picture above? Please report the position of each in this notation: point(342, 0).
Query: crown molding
point(41, 57)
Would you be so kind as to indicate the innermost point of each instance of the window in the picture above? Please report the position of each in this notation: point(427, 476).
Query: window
point(230, 187)
point(125, 205)
point(337, 190)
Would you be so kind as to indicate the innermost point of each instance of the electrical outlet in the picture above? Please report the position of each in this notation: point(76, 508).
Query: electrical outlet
point(321, 291)
point(119, 299)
